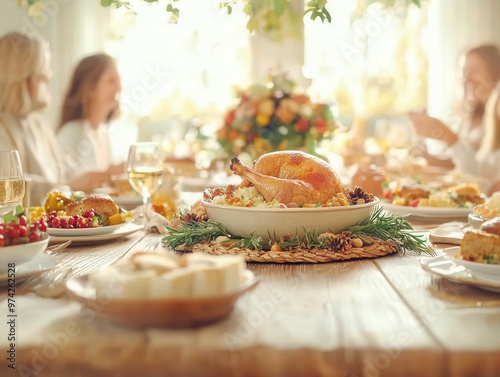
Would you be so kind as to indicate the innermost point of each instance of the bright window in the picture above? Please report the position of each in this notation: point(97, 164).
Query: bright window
point(182, 70)
point(369, 60)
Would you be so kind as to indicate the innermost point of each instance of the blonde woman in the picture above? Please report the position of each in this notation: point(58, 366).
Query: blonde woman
point(24, 77)
point(88, 108)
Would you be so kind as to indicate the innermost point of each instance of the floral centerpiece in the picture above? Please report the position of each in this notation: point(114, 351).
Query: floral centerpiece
point(275, 117)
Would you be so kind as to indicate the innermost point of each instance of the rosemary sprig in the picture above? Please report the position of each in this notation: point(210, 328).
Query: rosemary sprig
point(394, 228)
point(191, 233)
point(252, 242)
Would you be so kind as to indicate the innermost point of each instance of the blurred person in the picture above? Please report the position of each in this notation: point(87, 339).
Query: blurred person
point(89, 106)
point(24, 76)
point(480, 73)
point(486, 161)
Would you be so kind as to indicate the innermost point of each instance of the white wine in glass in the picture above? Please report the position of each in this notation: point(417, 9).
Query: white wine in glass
point(145, 168)
point(11, 181)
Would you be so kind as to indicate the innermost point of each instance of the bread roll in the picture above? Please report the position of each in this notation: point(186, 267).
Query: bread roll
point(166, 275)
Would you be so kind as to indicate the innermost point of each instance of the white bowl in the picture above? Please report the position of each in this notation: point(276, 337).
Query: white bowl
point(276, 222)
point(20, 254)
point(475, 220)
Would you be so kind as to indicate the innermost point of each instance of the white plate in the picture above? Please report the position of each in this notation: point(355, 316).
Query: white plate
point(446, 267)
point(451, 232)
point(78, 232)
point(124, 230)
point(429, 212)
point(31, 268)
point(484, 271)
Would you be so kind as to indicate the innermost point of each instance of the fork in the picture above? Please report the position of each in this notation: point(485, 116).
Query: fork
point(54, 287)
point(37, 280)
point(49, 284)
point(57, 248)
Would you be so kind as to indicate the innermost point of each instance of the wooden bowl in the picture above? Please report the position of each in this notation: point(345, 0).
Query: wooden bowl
point(172, 313)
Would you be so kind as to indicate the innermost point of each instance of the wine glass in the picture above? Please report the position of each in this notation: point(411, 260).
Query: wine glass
point(11, 181)
point(145, 169)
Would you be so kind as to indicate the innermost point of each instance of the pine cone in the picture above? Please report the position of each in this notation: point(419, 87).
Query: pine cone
point(338, 242)
point(358, 196)
point(293, 241)
point(194, 216)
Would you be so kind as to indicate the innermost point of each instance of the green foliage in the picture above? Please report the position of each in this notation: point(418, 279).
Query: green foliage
point(270, 16)
point(194, 232)
point(317, 8)
point(392, 228)
point(14, 217)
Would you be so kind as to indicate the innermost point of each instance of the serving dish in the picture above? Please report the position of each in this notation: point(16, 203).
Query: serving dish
point(429, 212)
point(19, 254)
point(275, 222)
point(173, 313)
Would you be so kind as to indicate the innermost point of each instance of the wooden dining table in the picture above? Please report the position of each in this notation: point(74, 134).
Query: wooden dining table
point(359, 318)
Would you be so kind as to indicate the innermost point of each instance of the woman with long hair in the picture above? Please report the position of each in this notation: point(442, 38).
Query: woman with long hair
point(90, 104)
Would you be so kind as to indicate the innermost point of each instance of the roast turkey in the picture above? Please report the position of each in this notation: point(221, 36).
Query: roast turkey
point(290, 177)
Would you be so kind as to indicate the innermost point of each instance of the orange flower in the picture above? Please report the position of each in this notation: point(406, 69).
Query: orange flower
point(222, 133)
point(266, 107)
point(246, 127)
point(287, 110)
point(301, 99)
point(233, 135)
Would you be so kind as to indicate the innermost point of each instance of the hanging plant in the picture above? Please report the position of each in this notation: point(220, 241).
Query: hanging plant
point(273, 17)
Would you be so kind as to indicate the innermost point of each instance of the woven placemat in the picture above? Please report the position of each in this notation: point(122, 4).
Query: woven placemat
point(377, 248)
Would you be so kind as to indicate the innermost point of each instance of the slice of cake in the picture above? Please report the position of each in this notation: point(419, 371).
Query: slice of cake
point(482, 245)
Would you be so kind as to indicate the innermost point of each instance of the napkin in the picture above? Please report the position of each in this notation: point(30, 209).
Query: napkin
point(152, 221)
